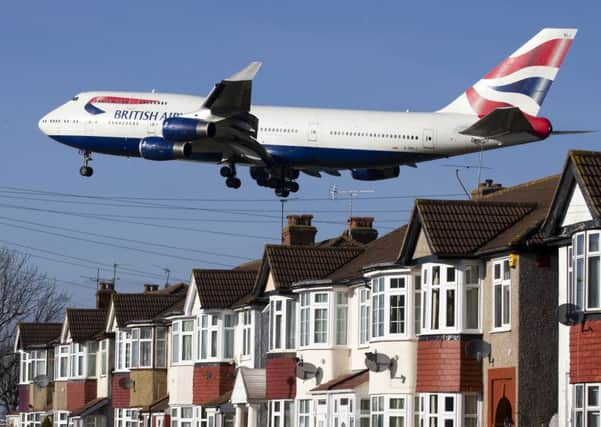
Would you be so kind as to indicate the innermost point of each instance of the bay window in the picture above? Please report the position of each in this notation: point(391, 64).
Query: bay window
point(584, 270)
point(282, 320)
point(320, 318)
point(501, 294)
point(447, 410)
point(449, 298)
point(182, 336)
point(246, 332)
point(389, 298)
point(208, 332)
point(62, 362)
point(32, 364)
point(134, 348)
point(388, 411)
point(160, 351)
point(77, 360)
point(587, 405)
point(323, 318)
point(281, 413)
point(364, 309)
point(216, 336)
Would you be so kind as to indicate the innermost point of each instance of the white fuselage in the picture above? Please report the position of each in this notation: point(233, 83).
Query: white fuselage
point(300, 137)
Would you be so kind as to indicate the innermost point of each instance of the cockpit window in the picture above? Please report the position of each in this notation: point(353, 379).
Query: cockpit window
point(75, 98)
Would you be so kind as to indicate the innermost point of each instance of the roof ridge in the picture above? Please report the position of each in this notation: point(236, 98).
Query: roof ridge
point(519, 186)
point(475, 202)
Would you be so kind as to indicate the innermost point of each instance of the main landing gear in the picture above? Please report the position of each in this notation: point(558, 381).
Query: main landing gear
point(282, 179)
point(229, 173)
point(86, 170)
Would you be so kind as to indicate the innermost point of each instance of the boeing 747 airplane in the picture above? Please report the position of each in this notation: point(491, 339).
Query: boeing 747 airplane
point(278, 143)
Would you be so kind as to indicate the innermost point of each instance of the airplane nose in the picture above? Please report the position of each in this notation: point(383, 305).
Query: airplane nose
point(42, 124)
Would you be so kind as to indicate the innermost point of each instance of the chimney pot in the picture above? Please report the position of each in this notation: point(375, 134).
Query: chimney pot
point(299, 231)
point(150, 287)
point(361, 229)
point(103, 294)
point(485, 188)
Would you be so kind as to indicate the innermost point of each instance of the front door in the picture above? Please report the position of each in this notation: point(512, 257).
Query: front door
point(428, 139)
point(343, 411)
point(313, 132)
point(501, 400)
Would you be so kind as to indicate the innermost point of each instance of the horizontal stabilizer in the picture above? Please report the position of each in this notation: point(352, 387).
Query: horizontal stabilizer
point(502, 121)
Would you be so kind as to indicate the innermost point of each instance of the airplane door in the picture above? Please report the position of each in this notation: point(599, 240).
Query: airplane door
point(428, 139)
point(313, 132)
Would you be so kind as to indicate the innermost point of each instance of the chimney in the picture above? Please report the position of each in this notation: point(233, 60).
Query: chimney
point(485, 188)
point(299, 231)
point(103, 294)
point(360, 229)
point(150, 287)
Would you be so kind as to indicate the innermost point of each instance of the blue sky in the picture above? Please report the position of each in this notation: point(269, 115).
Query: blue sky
point(395, 56)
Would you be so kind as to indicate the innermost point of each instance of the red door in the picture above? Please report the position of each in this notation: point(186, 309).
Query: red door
point(501, 397)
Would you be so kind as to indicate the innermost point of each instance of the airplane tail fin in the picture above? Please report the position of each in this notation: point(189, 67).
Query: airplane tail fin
point(522, 80)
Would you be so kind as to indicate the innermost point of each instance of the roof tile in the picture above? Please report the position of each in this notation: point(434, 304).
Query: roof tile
point(38, 334)
point(222, 288)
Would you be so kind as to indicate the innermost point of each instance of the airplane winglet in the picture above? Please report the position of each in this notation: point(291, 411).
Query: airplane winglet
point(247, 73)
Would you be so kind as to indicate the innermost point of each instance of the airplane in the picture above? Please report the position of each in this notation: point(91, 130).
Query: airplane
point(278, 143)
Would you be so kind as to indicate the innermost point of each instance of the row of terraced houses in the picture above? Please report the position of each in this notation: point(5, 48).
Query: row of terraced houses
point(450, 320)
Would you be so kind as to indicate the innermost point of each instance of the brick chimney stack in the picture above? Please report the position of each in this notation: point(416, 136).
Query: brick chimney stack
point(360, 229)
point(485, 188)
point(299, 231)
point(103, 294)
point(150, 287)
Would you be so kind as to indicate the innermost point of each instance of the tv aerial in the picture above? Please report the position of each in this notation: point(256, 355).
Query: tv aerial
point(570, 314)
point(352, 194)
point(41, 381)
point(306, 371)
point(478, 350)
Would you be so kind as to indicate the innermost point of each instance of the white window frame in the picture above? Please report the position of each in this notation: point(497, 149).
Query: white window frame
point(91, 359)
point(364, 317)
point(397, 291)
point(126, 418)
point(321, 307)
point(281, 413)
point(178, 335)
point(580, 254)
point(61, 353)
point(24, 367)
point(341, 300)
point(438, 414)
point(305, 319)
point(380, 314)
point(203, 417)
point(145, 343)
point(583, 406)
point(61, 418)
point(209, 336)
point(77, 363)
point(104, 357)
point(286, 314)
point(160, 349)
point(182, 416)
point(472, 286)
point(378, 308)
point(246, 324)
point(230, 322)
point(304, 410)
point(501, 281)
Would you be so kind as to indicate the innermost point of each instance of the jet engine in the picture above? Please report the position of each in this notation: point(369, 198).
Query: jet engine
point(180, 129)
point(155, 148)
point(375, 174)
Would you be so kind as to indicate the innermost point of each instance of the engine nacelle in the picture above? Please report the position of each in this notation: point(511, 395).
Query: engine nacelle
point(155, 148)
point(375, 174)
point(180, 129)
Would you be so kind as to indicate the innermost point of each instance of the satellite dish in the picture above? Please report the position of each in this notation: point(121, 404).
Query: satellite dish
point(378, 362)
point(126, 383)
point(478, 349)
point(570, 314)
point(41, 381)
point(306, 370)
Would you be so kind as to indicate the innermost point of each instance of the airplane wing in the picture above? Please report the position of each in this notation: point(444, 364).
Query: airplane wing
point(232, 95)
point(500, 122)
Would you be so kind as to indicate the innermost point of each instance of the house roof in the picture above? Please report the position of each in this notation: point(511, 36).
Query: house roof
point(222, 288)
point(91, 407)
point(219, 400)
point(291, 264)
point(137, 307)
point(382, 250)
point(455, 228)
point(345, 382)
point(85, 323)
point(158, 405)
point(253, 380)
point(38, 334)
point(584, 169)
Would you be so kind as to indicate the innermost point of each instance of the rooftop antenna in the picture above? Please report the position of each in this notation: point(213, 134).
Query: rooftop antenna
point(115, 265)
point(282, 202)
point(335, 192)
point(459, 167)
point(168, 272)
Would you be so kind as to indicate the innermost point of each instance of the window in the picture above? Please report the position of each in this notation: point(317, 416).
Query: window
point(472, 297)
point(364, 307)
point(62, 362)
point(61, 419)
point(587, 405)
point(501, 294)
point(417, 305)
point(470, 410)
point(281, 413)
point(447, 410)
point(305, 310)
point(304, 413)
point(123, 349)
point(229, 330)
point(181, 416)
point(208, 336)
point(160, 351)
point(127, 418)
point(76, 364)
point(24, 359)
point(585, 269)
point(364, 413)
point(389, 411)
point(182, 332)
point(396, 300)
point(246, 332)
point(145, 347)
point(377, 411)
point(282, 323)
point(341, 318)
point(103, 357)
point(320, 318)
point(203, 417)
point(92, 349)
point(377, 307)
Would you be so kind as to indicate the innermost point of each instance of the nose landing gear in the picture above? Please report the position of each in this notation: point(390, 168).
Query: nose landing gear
point(86, 170)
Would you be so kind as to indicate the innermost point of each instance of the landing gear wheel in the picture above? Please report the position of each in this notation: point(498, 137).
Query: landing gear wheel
point(293, 186)
point(227, 172)
point(86, 171)
point(282, 192)
point(233, 182)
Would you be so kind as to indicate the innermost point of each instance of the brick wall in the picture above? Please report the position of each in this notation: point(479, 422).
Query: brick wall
point(443, 366)
point(119, 395)
point(23, 398)
point(79, 393)
point(280, 376)
point(585, 348)
point(210, 381)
